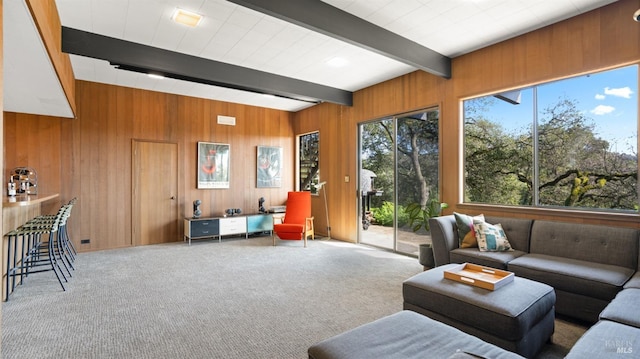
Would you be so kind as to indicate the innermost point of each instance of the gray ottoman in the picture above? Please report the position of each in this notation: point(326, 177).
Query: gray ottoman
point(405, 335)
point(518, 317)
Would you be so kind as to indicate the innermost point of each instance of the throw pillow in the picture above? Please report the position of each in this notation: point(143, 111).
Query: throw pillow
point(491, 237)
point(466, 231)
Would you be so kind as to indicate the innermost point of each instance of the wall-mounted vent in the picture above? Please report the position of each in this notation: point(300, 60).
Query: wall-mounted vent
point(226, 120)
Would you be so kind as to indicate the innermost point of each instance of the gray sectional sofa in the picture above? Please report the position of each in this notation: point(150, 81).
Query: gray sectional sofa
point(594, 270)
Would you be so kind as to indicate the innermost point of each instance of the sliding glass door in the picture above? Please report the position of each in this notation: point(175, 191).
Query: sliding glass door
point(398, 166)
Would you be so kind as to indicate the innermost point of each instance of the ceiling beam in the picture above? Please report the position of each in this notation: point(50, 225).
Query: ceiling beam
point(147, 59)
point(326, 19)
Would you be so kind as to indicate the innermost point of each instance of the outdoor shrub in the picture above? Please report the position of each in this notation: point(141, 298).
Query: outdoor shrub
point(383, 215)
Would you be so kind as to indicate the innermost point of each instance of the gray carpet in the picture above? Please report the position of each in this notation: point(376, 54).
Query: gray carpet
point(235, 299)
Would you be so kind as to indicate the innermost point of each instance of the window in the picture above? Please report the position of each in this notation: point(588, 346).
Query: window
point(569, 143)
point(308, 160)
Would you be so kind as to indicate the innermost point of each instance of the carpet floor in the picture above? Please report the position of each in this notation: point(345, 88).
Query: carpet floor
point(236, 299)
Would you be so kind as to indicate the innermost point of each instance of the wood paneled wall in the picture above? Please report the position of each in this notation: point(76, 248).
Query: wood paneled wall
point(600, 39)
point(34, 141)
point(90, 157)
point(96, 159)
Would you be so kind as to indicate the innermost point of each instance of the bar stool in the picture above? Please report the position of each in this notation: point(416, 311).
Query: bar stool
point(64, 247)
point(39, 251)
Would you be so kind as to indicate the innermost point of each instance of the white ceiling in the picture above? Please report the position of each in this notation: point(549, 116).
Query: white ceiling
point(233, 34)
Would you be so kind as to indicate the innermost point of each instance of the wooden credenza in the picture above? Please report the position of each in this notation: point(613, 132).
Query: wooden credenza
point(197, 228)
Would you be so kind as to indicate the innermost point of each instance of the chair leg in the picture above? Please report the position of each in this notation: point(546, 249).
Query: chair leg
point(273, 237)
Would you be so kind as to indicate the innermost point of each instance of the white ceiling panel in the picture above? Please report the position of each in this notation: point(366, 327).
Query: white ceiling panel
point(237, 35)
point(107, 19)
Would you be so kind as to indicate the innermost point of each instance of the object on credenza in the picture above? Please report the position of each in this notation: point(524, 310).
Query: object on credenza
point(26, 180)
point(196, 208)
point(261, 208)
point(233, 211)
point(278, 209)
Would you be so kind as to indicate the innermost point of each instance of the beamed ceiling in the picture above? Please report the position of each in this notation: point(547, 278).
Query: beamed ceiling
point(300, 51)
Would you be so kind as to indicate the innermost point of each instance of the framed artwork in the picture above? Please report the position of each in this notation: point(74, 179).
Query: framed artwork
point(213, 165)
point(269, 167)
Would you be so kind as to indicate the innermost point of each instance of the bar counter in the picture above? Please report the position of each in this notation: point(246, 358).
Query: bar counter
point(27, 200)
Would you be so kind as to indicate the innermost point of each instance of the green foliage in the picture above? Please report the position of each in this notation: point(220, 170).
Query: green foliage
point(576, 168)
point(383, 215)
point(411, 148)
point(419, 215)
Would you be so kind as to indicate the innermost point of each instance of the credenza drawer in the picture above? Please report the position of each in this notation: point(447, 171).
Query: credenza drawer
point(201, 228)
point(233, 225)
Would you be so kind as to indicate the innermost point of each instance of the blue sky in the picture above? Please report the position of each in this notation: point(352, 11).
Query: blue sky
point(608, 98)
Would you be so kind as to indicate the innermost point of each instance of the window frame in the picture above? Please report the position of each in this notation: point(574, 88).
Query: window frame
point(312, 185)
point(616, 213)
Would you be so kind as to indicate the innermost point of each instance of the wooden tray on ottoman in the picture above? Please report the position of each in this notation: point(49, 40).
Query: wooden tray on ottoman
point(479, 276)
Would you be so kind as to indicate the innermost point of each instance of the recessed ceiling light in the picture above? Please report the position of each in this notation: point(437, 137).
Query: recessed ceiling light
point(268, 95)
point(337, 62)
point(155, 76)
point(185, 17)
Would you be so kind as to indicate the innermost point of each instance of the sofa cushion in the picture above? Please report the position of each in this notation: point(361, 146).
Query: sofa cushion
point(607, 340)
point(466, 230)
point(490, 259)
point(405, 334)
point(517, 230)
point(491, 237)
point(634, 282)
point(616, 246)
point(624, 308)
point(602, 281)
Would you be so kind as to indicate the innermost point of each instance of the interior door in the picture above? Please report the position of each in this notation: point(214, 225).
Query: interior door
point(155, 191)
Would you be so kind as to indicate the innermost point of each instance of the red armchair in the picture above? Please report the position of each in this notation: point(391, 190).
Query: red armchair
point(297, 223)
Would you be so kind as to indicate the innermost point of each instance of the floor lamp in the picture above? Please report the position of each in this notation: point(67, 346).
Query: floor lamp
point(320, 186)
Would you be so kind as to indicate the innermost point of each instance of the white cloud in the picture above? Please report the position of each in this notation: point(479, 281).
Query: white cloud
point(619, 92)
point(603, 110)
point(600, 96)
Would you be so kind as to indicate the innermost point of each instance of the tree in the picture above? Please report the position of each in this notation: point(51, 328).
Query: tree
point(498, 165)
point(576, 168)
point(576, 165)
point(407, 150)
point(418, 156)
